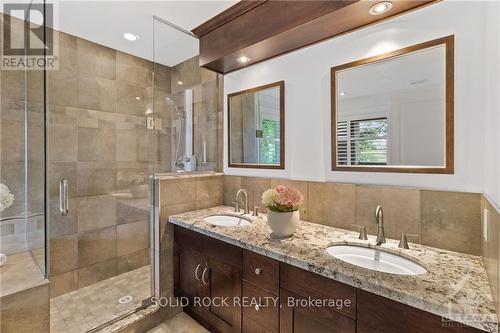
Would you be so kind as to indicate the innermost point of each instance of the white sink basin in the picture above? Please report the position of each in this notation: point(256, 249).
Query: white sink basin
point(376, 260)
point(227, 220)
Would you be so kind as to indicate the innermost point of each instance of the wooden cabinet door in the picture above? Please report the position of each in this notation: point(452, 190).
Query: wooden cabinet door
point(191, 266)
point(224, 290)
point(295, 318)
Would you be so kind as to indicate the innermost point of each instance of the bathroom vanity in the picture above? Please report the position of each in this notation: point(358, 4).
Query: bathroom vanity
point(294, 285)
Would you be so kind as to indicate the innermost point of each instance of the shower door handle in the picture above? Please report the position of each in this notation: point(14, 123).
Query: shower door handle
point(63, 197)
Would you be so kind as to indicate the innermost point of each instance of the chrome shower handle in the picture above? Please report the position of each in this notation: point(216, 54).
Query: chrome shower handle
point(63, 197)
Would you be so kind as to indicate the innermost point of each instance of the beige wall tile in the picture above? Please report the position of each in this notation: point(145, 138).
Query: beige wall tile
point(177, 191)
point(56, 172)
point(63, 283)
point(63, 254)
point(96, 212)
point(231, 186)
point(302, 186)
point(96, 246)
point(126, 145)
point(97, 272)
point(133, 70)
point(62, 150)
point(255, 187)
point(62, 87)
point(127, 102)
point(132, 210)
point(209, 192)
point(96, 93)
point(96, 178)
point(96, 144)
point(162, 77)
point(401, 208)
point(132, 237)
point(132, 261)
point(12, 143)
point(451, 221)
point(332, 204)
point(26, 311)
point(491, 248)
point(63, 225)
point(95, 59)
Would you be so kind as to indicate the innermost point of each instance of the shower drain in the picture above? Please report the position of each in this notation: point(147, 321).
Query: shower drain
point(125, 299)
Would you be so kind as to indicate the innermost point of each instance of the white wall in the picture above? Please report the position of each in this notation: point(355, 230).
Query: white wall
point(492, 107)
point(307, 95)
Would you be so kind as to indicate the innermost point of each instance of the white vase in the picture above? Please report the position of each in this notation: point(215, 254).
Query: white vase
point(283, 224)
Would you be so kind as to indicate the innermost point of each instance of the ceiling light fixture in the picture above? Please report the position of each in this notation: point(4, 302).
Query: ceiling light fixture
point(243, 59)
point(131, 37)
point(342, 93)
point(179, 82)
point(138, 98)
point(380, 8)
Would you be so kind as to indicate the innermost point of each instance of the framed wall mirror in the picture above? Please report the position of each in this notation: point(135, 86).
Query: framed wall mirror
point(256, 123)
point(394, 112)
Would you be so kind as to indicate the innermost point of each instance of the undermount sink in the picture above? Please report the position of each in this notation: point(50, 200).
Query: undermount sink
point(376, 259)
point(228, 220)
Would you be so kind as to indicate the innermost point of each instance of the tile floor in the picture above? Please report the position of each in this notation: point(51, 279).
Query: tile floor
point(89, 307)
point(181, 323)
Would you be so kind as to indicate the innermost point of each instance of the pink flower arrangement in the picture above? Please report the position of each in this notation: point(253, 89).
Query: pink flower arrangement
point(282, 199)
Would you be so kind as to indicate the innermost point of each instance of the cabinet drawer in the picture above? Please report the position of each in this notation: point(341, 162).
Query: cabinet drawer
point(299, 317)
point(266, 312)
point(261, 271)
point(377, 314)
point(314, 286)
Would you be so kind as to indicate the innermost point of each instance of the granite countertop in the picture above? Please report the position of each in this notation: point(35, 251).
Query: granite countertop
point(456, 285)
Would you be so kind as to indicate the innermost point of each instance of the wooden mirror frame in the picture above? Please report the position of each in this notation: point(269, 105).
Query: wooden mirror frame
point(281, 85)
point(448, 168)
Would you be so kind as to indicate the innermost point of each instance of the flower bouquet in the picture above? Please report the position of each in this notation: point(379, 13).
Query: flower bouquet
point(283, 203)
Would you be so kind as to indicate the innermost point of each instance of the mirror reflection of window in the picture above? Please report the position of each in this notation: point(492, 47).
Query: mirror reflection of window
point(255, 127)
point(392, 111)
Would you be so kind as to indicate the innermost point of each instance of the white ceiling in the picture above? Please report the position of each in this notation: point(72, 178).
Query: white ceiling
point(105, 22)
point(420, 69)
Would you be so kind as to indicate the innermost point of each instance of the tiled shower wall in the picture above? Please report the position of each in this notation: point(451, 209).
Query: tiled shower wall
point(98, 103)
point(447, 220)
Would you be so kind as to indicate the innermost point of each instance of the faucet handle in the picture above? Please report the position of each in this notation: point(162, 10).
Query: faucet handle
point(255, 211)
point(236, 206)
point(362, 231)
point(403, 242)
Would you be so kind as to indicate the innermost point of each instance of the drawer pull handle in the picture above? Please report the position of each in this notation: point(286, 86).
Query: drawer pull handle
point(258, 270)
point(203, 276)
point(196, 272)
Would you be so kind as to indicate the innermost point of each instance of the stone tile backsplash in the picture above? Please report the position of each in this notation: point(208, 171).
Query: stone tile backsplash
point(448, 220)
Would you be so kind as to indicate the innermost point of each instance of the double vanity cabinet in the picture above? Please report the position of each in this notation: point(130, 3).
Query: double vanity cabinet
point(250, 293)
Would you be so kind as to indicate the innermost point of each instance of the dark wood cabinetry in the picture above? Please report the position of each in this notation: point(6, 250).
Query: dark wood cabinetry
point(209, 274)
point(264, 295)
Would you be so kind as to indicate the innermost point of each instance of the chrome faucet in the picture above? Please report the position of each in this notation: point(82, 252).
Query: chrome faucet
point(246, 199)
point(379, 219)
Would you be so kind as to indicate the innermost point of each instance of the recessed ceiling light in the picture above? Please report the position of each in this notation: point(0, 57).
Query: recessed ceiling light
point(342, 94)
point(138, 98)
point(131, 37)
point(179, 82)
point(243, 59)
point(380, 8)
